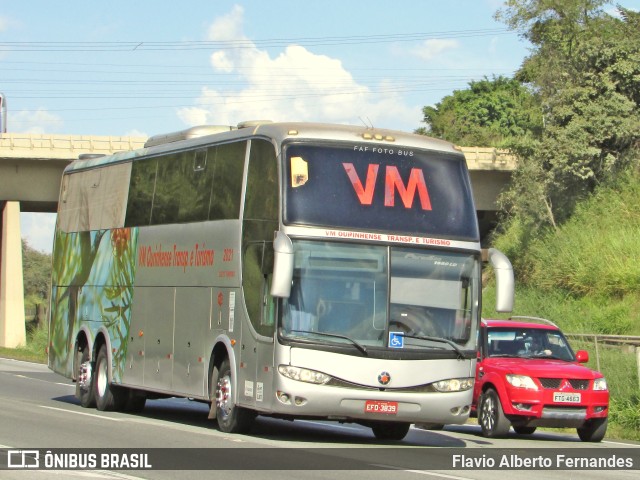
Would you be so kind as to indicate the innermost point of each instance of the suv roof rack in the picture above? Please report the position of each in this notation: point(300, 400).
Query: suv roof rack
point(536, 319)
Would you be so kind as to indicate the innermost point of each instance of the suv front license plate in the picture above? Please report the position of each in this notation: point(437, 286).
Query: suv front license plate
point(377, 406)
point(566, 397)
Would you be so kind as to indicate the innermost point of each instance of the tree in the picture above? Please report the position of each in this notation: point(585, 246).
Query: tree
point(37, 272)
point(585, 69)
point(490, 113)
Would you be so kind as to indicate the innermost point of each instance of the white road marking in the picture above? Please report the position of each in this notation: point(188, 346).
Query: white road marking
point(82, 413)
point(422, 472)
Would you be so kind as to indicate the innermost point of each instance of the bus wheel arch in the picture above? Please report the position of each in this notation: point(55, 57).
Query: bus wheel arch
point(83, 367)
point(81, 344)
point(230, 417)
point(218, 354)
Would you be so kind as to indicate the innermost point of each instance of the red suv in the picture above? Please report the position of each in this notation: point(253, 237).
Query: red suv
point(527, 376)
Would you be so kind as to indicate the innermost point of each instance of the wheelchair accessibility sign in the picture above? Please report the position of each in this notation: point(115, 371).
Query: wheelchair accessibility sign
point(396, 340)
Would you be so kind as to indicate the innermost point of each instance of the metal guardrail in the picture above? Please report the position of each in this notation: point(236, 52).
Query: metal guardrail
point(632, 342)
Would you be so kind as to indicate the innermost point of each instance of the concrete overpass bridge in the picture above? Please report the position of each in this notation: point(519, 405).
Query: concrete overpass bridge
point(31, 168)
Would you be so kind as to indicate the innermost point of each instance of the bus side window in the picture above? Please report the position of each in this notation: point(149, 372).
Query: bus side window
point(226, 163)
point(143, 181)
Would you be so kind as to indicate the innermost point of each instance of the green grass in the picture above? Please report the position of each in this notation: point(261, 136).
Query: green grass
point(34, 351)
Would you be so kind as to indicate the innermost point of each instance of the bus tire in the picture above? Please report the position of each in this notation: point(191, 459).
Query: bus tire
point(108, 397)
point(84, 379)
point(491, 417)
point(231, 418)
point(390, 430)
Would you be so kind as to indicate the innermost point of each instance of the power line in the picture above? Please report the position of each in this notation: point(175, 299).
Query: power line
point(130, 46)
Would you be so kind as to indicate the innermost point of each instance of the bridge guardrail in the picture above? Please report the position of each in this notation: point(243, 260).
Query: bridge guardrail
point(489, 158)
point(24, 145)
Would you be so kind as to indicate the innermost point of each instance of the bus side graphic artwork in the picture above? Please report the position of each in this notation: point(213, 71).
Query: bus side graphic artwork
point(248, 267)
point(105, 257)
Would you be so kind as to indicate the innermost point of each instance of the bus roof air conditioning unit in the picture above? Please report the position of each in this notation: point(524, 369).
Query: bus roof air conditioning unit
point(193, 132)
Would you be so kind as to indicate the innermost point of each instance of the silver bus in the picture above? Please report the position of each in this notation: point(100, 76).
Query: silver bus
point(294, 270)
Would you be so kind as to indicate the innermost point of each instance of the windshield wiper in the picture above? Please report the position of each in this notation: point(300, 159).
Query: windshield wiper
point(359, 346)
point(441, 340)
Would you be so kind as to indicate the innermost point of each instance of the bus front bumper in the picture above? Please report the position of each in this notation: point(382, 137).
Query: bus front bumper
point(299, 399)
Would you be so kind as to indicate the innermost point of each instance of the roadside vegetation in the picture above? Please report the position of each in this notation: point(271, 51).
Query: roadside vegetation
point(584, 277)
point(34, 351)
point(37, 276)
point(570, 221)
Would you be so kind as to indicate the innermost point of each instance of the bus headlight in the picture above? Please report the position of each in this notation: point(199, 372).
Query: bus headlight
point(522, 381)
point(600, 384)
point(303, 374)
point(454, 384)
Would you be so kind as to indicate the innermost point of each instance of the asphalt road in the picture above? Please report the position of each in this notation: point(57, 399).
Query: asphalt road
point(38, 411)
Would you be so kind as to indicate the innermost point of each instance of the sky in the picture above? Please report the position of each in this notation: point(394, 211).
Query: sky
point(140, 68)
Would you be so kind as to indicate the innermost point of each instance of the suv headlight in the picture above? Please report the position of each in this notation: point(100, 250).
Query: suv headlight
point(600, 384)
point(303, 374)
point(521, 381)
point(454, 384)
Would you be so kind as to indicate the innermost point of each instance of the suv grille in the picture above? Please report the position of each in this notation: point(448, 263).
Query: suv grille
point(550, 382)
point(576, 384)
point(579, 384)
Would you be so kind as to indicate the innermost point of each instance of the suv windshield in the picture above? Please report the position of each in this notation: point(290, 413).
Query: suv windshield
point(528, 343)
point(381, 296)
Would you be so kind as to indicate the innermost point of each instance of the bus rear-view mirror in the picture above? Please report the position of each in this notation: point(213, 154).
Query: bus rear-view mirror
point(505, 284)
point(282, 266)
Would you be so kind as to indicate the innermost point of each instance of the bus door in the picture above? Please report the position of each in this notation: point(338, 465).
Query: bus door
point(256, 374)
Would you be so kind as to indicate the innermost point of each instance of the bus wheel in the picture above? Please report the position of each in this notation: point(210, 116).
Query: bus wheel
point(108, 397)
point(390, 430)
point(231, 418)
point(491, 416)
point(84, 379)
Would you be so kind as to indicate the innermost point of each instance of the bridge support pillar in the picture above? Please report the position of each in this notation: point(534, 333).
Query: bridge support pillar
point(12, 322)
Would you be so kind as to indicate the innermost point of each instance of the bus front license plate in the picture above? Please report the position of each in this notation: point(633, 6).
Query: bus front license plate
point(377, 406)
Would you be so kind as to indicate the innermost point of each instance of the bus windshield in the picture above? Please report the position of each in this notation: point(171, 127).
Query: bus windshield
point(370, 295)
point(411, 191)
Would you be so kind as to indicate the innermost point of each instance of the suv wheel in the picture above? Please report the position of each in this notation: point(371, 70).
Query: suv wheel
point(524, 430)
point(491, 417)
point(593, 430)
